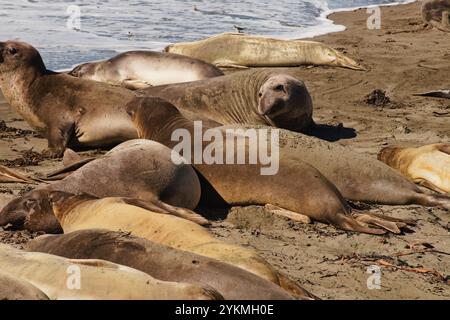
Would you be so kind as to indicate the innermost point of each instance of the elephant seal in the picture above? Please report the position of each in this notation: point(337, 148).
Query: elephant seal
point(63, 279)
point(12, 288)
point(427, 165)
point(141, 69)
point(437, 14)
point(436, 94)
point(237, 50)
point(140, 172)
point(159, 261)
point(66, 110)
point(297, 186)
point(257, 97)
point(81, 212)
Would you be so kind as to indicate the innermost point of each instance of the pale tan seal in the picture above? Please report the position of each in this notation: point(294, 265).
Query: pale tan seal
point(66, 110)
point(437, 14)
point(237, 50)
point(97, 279)
point(258, 97)
point(428, 165)
point(13, 288)
point(141, 69)
point(161, 262)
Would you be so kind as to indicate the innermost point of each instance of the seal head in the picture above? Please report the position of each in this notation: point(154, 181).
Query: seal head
point(285, 102)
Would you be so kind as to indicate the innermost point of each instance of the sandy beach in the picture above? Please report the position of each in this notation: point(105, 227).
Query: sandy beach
point(402, 58)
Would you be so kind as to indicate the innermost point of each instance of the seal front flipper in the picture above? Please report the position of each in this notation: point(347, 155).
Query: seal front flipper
point(135, 84)
point(164, 208)
point(59, 135)
point(228, 64)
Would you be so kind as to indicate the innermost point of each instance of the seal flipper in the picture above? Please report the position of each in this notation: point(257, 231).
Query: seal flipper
point(135, 84)
point(64, 172)
point(435, 94)
point(9, 176)
point(58, 137)
point(164, 208)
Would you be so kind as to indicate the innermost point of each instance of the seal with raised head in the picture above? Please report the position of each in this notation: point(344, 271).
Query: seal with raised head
point(437, 14)
point(238, 50)
point(99, 279)
point(141, 69)
point(428, 165)
point(66, 110)
point(159, 261)
point(257, 97)
point(297, 186)
point(12, 288)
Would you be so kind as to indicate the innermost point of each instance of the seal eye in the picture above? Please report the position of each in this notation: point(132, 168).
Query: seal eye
point(12, 51)
point(130, 112)
point(279, 88)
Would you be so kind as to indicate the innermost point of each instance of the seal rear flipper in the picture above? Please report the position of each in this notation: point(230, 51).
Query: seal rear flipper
point(164, 208)
point(435, 94)
point(64, 172)
point(9, 176)
point(135, 84)
point(294, 289)
point(228, 64)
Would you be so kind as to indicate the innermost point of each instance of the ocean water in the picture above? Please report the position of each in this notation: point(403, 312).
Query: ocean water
point(107, 27)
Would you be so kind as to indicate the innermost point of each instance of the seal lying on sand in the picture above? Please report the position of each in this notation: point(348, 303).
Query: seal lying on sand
point(437, 14)
point(436, 94)
point(66, 110)
point(81, 212)
point(428, 166)
point(297, 186)
point(161, 262)
point(141, 69)
point(12, 288)
point(142, 172)
point(98, 279)
point(237, 50)
point(265, 97)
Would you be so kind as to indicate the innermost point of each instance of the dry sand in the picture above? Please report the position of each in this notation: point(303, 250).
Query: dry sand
point(403, 58)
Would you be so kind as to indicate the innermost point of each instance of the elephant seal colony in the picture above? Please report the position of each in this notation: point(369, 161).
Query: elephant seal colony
point(142, 69)
point(437, 14)
point(134, 220)
point(266, 97)
point(428, 165)
point(66, 110)
point(237, 50)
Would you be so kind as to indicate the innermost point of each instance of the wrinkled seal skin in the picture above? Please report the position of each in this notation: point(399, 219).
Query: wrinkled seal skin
point(427, 165)
point(437, 14)
point(141, 69)
point(297, 186)
point(137, 169)
point(237, 50)
point(258, 97)
point(66, 110)
point(99, 279)
point(12, 288)
point(161, 262)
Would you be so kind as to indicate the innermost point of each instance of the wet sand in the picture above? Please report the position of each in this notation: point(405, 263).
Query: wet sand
point(403, 58)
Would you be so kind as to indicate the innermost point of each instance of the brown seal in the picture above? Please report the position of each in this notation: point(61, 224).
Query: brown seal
point(427, 165)
point(297, 186)
point(161, 262)
point(257, 97)
point(141, 69)
point(66, 110)
point(141, 172)
point(12, 288)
